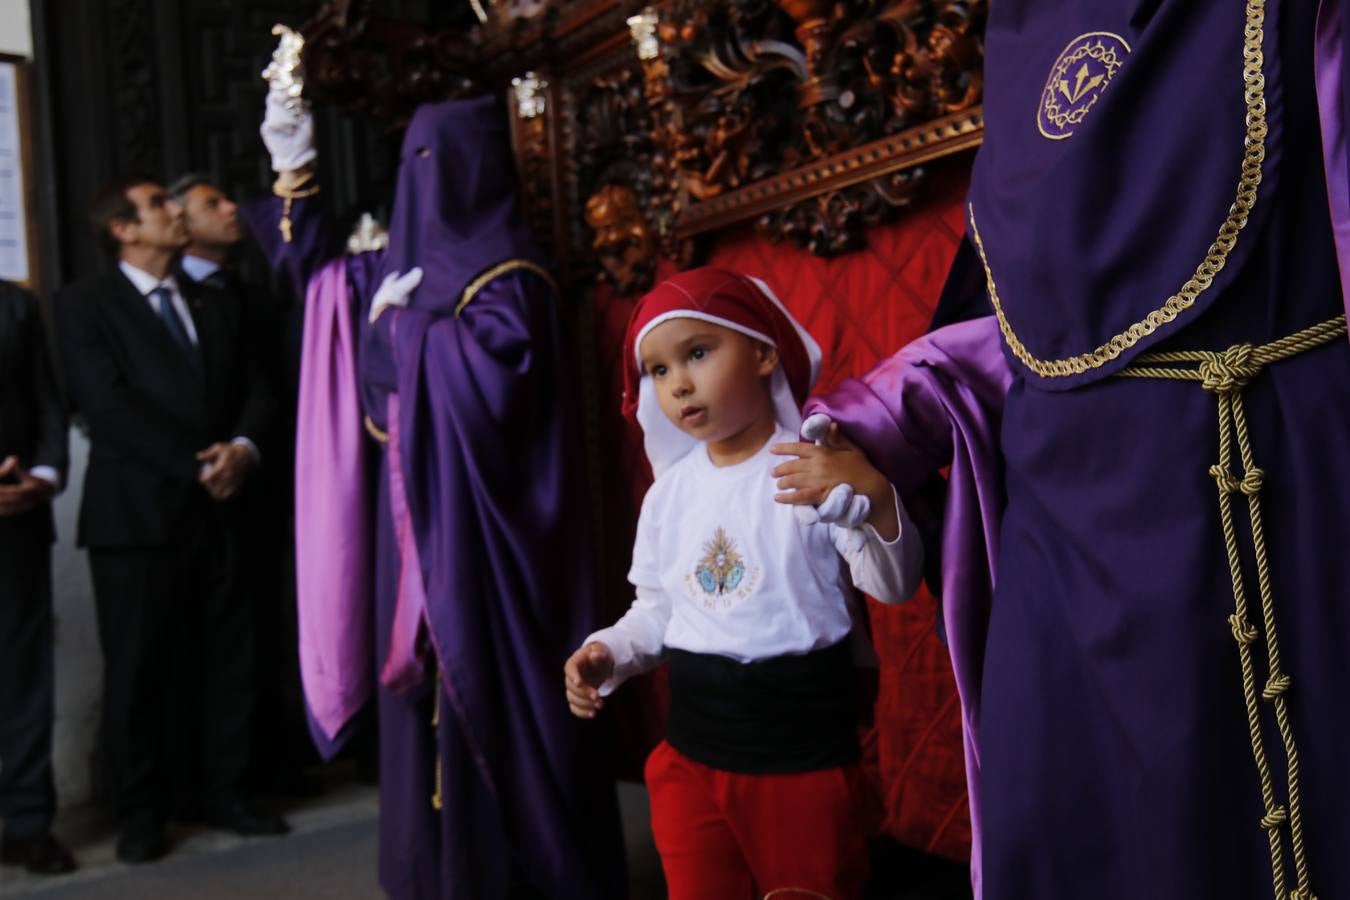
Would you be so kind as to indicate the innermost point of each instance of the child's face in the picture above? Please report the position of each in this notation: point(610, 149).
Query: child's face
point(712, 382)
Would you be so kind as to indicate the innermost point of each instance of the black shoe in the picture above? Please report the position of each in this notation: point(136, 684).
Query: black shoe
point(142, 841)
point(246, 818)
point(40, 854)
point(294, 784)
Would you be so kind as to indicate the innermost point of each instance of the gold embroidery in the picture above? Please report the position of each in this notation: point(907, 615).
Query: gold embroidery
point(796, 892)
point(497, 271)
point(1098, 57)
point(374, 431)
point(1254, 79)
point(1225, 374)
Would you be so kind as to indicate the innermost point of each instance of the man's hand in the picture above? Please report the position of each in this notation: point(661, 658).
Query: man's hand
point(820, 469)
point(225, 468)
point(584, 672)
point(21, 491)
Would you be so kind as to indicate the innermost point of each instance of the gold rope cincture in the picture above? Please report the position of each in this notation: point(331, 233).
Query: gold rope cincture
point(376, 432)
point(297, 191)
point(437, 799)
point(1253, 157)
point(1225, 374)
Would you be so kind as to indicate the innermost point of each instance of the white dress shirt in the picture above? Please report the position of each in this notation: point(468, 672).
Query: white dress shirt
point(198, 268)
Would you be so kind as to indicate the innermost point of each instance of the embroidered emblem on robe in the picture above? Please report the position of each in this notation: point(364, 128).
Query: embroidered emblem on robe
point(1077, 81)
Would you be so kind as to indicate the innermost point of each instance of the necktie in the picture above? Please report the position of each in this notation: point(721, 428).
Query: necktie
point(169, 315)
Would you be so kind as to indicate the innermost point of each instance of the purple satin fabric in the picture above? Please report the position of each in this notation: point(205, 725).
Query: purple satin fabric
point(332, 512)
point(938, 402)
point(405, 659)
point(1330, 60)
point(1073, 226)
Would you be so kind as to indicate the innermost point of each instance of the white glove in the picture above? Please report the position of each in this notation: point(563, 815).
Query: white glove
point(287, 133)
point(816, 426)
point(842, 506)
point(395, 290)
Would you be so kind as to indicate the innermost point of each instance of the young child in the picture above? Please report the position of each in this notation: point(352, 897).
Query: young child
point(756, 791)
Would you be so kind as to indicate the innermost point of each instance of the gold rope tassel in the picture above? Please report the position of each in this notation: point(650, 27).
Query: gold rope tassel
point(1225, 375)
point(437, 800)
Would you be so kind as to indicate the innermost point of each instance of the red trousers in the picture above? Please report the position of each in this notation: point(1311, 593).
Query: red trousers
point(725, 836)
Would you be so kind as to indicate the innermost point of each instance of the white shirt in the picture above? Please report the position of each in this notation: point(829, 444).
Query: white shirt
point(720, 567)
point(145, 283)
point(199, 268)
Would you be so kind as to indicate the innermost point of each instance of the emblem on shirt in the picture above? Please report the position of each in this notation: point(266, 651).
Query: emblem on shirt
point(1077, 81)
point(721, 573)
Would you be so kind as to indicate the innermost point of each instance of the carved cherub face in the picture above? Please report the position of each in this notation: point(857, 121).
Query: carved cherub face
point(624, 245)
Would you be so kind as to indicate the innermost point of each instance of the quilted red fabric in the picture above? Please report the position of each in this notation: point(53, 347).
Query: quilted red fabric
point(860, 308)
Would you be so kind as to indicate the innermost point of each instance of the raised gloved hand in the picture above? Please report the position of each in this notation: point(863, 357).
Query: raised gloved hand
point(843, 506)
point(395, 290)
point(288, 132)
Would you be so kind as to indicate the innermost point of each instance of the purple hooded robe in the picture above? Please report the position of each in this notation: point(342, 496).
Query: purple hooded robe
point(481, 578)
point(1101, 680)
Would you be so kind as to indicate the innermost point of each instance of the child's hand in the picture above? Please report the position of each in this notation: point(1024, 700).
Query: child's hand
point(819, 469)
point(584, 672)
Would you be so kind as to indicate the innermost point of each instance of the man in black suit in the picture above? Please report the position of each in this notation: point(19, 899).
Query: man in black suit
point(215, 233)
point(176, 409)
point(33, 429)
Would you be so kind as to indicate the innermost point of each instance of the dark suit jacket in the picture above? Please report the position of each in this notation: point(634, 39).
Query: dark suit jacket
point(33, 423)
point(149, 408)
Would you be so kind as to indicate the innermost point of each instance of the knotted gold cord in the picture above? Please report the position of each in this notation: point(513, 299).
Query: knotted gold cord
point(1225, 374)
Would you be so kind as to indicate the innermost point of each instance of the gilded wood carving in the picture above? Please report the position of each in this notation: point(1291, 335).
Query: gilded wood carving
point(640, 129)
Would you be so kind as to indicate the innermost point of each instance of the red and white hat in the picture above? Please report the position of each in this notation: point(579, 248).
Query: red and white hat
point(734, 301)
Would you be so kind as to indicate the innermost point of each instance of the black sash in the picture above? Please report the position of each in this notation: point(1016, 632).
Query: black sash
point(780, 715)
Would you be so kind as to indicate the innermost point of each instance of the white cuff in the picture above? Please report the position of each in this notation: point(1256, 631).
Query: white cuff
point(49, 475)
point(252, 448)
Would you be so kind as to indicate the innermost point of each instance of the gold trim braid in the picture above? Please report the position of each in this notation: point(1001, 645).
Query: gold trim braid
point(1225, 374)
point(1254, 156)
point(497, 271)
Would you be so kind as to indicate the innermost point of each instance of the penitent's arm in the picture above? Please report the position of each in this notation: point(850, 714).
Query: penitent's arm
point(291, 226)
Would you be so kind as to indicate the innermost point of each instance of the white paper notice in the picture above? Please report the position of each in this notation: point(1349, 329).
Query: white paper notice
point(13, 224)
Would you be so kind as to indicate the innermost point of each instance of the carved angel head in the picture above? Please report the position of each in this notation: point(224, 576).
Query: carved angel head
point(625, 246)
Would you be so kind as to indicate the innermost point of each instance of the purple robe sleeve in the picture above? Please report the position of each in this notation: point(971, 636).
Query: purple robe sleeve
point(1332, 65)
point(312, 243)
point(938, 402)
